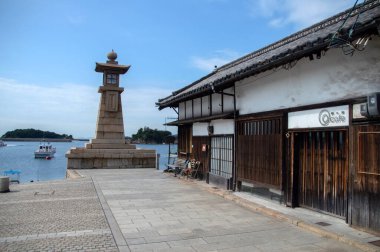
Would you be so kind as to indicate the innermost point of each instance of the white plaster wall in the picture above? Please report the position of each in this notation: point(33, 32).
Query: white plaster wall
point(333, 77)
point(181, 111)
point(200, 129)
point(216, 104)
point(189, 109)
point(206, 106)
point(228, 101)
point(197, 107)
point(223, 126)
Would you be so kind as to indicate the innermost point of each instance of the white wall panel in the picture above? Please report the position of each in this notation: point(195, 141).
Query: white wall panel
point(205, 106)
point(200, 129)
point(223, 126)
point(228, 100)
point(216, 104)
point(189, 109)
point(333, 77)
point(181, 111)
point(197, 107)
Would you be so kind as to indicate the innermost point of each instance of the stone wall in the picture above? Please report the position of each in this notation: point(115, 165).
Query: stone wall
point(81, 158)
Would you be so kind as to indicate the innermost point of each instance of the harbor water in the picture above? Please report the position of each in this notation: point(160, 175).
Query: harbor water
point(20, 156)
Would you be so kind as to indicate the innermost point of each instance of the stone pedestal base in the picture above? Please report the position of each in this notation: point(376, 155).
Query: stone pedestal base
point(83, 158)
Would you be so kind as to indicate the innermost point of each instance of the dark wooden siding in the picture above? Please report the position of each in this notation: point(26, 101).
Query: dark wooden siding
point(259, 151)
point(184, 140)
point(321, 160)
point(198, 154)
point(366, 177)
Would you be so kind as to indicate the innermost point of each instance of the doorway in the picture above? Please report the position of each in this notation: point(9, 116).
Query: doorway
point(321, 170)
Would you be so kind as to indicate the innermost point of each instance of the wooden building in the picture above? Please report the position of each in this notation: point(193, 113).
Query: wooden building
point(299, 117)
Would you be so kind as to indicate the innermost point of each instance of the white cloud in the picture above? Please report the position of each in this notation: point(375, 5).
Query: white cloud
point(66, 108)
point(277, 22)
point(219, 58)
point(299, 13)
point(267, 8)
point(73, 108)
point(208, 64)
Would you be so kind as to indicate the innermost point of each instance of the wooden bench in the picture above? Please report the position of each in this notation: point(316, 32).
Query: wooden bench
point(178, 165)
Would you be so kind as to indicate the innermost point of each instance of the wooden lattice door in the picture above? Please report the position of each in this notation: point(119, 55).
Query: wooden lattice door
point(321, 161)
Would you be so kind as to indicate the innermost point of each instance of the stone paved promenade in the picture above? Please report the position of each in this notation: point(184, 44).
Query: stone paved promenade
point(141, 210)
point(54, 216)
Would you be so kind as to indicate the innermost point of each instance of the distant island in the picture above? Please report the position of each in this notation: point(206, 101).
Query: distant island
point(144, 135)
point(27, 134)
point(152, 136)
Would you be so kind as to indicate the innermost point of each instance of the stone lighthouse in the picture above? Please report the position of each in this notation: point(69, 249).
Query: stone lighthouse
point(109, 149)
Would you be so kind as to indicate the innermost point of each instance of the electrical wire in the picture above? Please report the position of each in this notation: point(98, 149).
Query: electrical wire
point(337, 33)
point(346, 45)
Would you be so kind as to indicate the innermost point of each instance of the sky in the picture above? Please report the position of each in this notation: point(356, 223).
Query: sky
point(49, 48)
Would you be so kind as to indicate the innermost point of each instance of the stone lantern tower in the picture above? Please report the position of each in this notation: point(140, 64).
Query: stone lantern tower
point(109, 149)
point(110, 126)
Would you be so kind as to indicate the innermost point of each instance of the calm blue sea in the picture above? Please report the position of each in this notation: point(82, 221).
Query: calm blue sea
point(20, 156)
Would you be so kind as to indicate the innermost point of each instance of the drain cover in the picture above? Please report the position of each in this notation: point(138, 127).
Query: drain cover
point(376, 243)
point(324, 224)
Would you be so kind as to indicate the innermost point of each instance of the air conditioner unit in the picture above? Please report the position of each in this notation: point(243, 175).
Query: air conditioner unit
point(373, 104)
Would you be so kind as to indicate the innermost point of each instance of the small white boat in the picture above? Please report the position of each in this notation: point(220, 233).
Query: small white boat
point(2, 144)
point(45, 151)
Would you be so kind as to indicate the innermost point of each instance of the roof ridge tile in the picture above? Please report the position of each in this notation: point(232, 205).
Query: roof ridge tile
point(263, 58)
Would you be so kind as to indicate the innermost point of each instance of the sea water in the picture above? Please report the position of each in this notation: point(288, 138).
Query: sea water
point(20, 156)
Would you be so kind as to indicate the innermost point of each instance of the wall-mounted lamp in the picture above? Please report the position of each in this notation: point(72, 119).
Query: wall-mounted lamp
point(210, 130)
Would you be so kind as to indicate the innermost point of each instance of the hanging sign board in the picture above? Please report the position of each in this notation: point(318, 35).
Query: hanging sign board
point(319, 118)
point(204, 147)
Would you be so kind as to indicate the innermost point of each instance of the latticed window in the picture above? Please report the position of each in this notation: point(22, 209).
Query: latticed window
point(111, 79)
point(222, 156)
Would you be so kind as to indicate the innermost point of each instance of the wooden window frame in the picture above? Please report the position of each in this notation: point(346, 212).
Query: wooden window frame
point(360, 170)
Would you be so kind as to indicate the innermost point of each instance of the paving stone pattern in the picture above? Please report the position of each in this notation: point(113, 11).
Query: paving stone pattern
point(69, 243)
point(157, 212)
point(54, 216)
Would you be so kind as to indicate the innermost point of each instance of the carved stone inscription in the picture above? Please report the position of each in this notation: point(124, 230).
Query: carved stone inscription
point(112, 103)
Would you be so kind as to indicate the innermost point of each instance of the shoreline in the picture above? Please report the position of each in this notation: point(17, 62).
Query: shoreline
point(36, 140)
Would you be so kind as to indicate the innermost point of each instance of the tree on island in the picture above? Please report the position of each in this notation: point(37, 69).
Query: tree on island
point(33, 133)
point(147, 135)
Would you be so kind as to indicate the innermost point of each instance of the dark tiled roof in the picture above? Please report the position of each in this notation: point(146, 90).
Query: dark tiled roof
point(101, 67)
point(298, 45)
point(226, 115)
